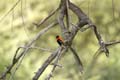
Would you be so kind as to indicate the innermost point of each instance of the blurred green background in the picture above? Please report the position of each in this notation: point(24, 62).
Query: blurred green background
point(16, 29)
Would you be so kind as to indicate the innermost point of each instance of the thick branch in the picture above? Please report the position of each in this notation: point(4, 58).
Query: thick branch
point(84, 20)
point(55, 64)
point(81, 15)
point(61, 17)
point(48, 61)
point(67, 15)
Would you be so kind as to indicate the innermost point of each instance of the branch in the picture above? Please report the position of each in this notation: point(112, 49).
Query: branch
point(101, 42)
point(57, 53)
point(67, 14)
point(34, 47)
point(45, 64)
point(63, 9)
point(45, 19)
point(112, 43)
point(81, 15)
point(26, 49)
point(79, 62)
point(84, 20)
point(68, 37)
point(55, 64)
point(10, 10)
point(96, 56)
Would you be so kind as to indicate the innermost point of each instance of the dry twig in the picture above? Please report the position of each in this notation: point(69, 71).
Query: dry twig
point(68, 35)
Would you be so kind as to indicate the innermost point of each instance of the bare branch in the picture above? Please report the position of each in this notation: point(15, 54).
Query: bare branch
point(26, 49)
point(10, 10)
point(43, 49)
point(34, 47)
point(68, 36)
point(101, 42)
point(60, 66)
point(45, 64)
point(96, 57)
point(100, 50)
point(67, 14)
point(45, 19)
point(81, 15)
point(112, 43)
point(55, 64)
point(84, 20)
point(79, 62)
point(64, 29)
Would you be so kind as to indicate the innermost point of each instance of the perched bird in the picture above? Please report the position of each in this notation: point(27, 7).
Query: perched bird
point(60, 41)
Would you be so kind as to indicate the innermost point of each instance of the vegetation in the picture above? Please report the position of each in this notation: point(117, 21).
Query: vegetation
point(17, 29)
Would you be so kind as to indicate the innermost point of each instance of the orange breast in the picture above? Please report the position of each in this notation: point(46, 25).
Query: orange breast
point(59, 38)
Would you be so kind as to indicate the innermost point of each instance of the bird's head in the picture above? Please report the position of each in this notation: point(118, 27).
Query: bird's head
point(57, 36)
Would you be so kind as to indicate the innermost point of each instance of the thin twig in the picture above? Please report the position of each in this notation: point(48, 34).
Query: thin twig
point(26, 49)
point(83, 20)
point(23, 21)
point(10, 10)
point(43, 49)
point(79, 62)
point(34, 47)
point(96, 57)
point(55, 64)
point(45, 19)
point(17, 66)
point(12, 24)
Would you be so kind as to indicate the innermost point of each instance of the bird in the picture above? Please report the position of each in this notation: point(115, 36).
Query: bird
point(60, 41)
